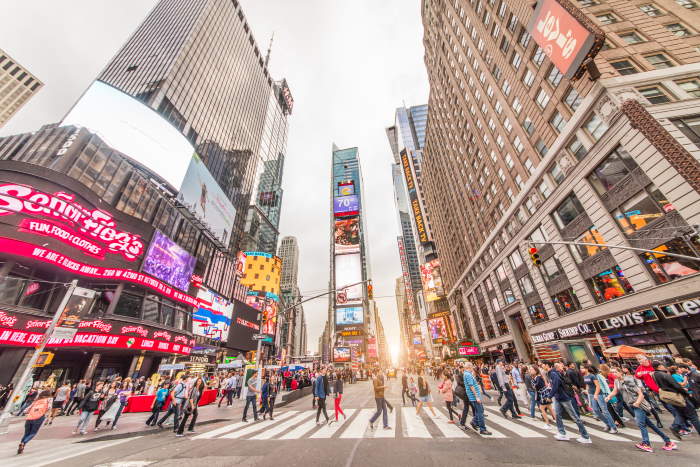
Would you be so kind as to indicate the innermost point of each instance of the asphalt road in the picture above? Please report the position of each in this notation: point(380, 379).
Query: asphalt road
point(294, 439)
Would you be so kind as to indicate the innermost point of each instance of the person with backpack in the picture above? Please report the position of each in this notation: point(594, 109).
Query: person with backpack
point(35, 418)
point(671, 393)
point(597, 391)
point(177, 399)
point(562, 397)
point(87, 407)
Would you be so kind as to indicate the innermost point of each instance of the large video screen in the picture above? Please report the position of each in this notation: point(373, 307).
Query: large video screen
point(438, 329)
point(134, 129)
point(432, 280)
point(213, 318)
point(347, 235)
point(346, 205)
point(348, 270)
point(349, 316)
point(244, 325)
point(341, 354)
point(268, 306)
point(169, 262)
point(203, 197)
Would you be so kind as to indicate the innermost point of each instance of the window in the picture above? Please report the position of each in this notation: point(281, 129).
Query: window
point(625, 67)
point(690, 127)
point(618, 165)
point(538, 56)
point(689, 4)
point(529, 166)
point(557, 121)
point(651, 10)
point(659, 61)
point(509, 127)
point(678, 29)
point(607, 18)
point(551, 269)
point(519, 181)
point(129, 305)
point(595, 127)
point(525, 284)
point(509, 161)
point(609, 284)
point(607, 45)
point(516, 260)
point(655, 95)
point(528, 78)
point(554, 76)
point(528, 126)
point(506, 87)
point(498, 107)
point(544, 189)
point(577, 149)
point(643, 208)
point(691, 86)
point(542, 98)
point(572, 99)
point(501, 176)
point(504, 284)
point(518, 145)
point(631, 37)
point(537, 313)
point(556, 173)
point(516, 60)
point(581, 252)
point(517, 106)
point(541, 147)
point(585, 3)
point(524, 38)
point(567, 211)
point(566, 301)
point(666, 268)
point(502, 328)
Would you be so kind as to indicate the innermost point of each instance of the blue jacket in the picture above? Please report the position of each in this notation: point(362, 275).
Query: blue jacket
point(557, 390)
point(320, 387)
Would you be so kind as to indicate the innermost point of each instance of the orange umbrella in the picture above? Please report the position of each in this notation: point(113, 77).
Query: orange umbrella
point(624, 351)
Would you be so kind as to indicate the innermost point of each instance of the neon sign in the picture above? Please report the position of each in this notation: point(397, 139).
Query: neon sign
point(163, 334)
point(63, 234)
point(17, 199)
point(7, 320)
point(136, 330)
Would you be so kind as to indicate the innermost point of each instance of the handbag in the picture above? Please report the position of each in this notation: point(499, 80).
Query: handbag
point(672, 398)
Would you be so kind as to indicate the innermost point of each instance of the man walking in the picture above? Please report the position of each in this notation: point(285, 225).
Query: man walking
point(503, 380)
point(562, 397)
point(253, 391)
point(178, 396)
point(321, 390)
point(474, 395)
point(239, 384)
point(379, 386)
point(404, 388)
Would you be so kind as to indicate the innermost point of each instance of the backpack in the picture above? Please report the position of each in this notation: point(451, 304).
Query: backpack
point(38, 408)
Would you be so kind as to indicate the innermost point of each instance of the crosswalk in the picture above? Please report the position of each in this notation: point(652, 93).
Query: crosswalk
point(51, 451)
point(403, 423)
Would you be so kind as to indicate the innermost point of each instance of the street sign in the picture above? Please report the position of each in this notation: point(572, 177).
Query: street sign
point(45, 358)
point(259, 337)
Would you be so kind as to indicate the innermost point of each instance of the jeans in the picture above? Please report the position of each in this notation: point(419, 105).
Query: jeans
point(119, 413)
point(271, 405)
point(321, 402)
point(187, 414)
point(600, 407)
point(478, 419)
point(448, 404)
point(175, 410)
point(381, 409)
point(510, 402)
point(31, 428)
point(154, 413)
point(84, 420)
point(686, 416)
point(465, 412)
point(250, 401)
point(640, 416)
point(566, 405)
point(533, 402)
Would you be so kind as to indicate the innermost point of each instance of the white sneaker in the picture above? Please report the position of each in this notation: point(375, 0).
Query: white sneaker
point(583, 440)
point(561, 437)
point(547, 426)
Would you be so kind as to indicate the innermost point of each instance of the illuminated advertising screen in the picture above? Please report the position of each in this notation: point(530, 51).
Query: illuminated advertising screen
point(417, 340)
point(268, 306)
point(348, 270)
point(438, 329)
point(213, 317)
point(349, 316)
point(347, 235)
point(244, 325)
point(240, 263)
point(341, 354)
point(372, 348)
point(205, 199)
point(346, 188)
point(134, 129)
point(563, 38)
point(346, 206)
point(169, 262)
point(432, 281)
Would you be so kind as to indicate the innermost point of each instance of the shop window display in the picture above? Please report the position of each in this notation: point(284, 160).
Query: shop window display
point(567, 211)
point(666, 268)
point(643, 208)
point(537, 313)
point(609, 284)
point(566, 301)
point(581, 252)
point(502, 327)
point(613, 169)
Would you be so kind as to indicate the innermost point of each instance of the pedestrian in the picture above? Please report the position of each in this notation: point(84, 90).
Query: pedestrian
point(607, 382)
point(321, 390)
point(272, 394)
point(678, 400)
point(178, 394)
point(528, 376)
point(445, 389)
point(264, 397)
point(87, 407)
point(597, 392)
point(35, 417)
point(60, 399)
point(109, 406)
point(543, 395)
point(630, 390)
point(378, 385)
point(424, 394)
point(158, 402)
point(337, 389)
point(227, 387)
point(190, 407)
point(123, 393)
point(239, 384)
point(250, 399)
point(503, 380)
point(473, 390)
point(404, 388)
point(562, 397)
point(78, 396)
point(460, 392)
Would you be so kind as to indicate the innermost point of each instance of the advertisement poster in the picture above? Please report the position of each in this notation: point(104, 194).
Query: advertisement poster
point(266, 305)
point(432, 281)
point(244, 325)
point(341, 354)
point(347, 235)
point(240, 263)
point(78, 306)
point(348, 270)
point(438, 329)
point(206, 200)
point(346, 206)
point(167, 261)
point(349, 316)
point(346, 188)
point(213, 318)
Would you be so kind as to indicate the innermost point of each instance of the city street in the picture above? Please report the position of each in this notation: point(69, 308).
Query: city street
point(294, 439)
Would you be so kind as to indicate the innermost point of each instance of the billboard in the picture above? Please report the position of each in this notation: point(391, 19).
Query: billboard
point(201, 194)
point(169, 262)
point(347, 235)
point(346, 206)
point(134, 129)
point(432, 281)
point(244, 325)
point(346, 188)
point(213, 317)
point(349, 316)
point(438, 329)
point(240, 263)
point(267, 304)
point(348, 270)
point(341, 354)
point(561, 36)
point(407, 167)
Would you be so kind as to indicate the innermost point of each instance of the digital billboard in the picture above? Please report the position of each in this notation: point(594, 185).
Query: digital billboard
point(432, 281)
point(205, 199)
point(348, 270)
point(346, 188)
point(244, 325)
point(346, 206)
point(341, 354)
point(169, 262)
point(134, 129)
point(213, 317)
point(347, 235)
point(267, 304)
point(438, 329)
point(349, 316)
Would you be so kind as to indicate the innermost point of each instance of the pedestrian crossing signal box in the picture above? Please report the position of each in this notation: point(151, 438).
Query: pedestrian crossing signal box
point(45, 358)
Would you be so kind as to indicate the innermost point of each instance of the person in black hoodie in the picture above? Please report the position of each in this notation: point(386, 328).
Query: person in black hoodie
point(562, 396)
point(685, 414)
point(87, 406)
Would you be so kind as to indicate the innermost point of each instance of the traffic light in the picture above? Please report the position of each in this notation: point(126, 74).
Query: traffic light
point(370, 291)
point(535, 256)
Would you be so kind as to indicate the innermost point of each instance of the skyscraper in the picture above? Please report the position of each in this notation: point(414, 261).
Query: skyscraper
point(293, 321)
point(580, 135)
point(17, 86)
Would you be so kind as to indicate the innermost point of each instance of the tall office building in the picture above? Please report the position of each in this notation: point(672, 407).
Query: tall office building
point(293, 321)
point(405, 329)
point(585, 134)
point(17, 86)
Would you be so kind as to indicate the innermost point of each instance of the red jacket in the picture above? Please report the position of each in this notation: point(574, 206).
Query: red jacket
point(645, 374)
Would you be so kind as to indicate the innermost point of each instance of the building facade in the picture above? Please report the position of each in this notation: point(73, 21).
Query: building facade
point(608, 156)
point(17, 86)
point(293, 321)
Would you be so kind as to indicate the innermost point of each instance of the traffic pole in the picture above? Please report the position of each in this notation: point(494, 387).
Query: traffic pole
point(5, 416)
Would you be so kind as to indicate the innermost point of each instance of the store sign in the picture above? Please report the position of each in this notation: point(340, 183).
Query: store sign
point(407, 168)
point(351, 333)
point(469, 350)
point(439, 314)
point(685, 308)
point(580, 329)
point(628, 319)
point(91, 230)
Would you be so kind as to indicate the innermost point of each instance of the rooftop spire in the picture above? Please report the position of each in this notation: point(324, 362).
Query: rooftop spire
point(269, 49)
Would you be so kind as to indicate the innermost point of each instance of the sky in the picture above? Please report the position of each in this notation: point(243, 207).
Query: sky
point(349, 64)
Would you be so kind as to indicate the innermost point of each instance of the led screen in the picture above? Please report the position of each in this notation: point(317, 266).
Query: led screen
point(438, 328)
point(213, 317)
point(341, 354)
point(134, 129)
point(267, 305)
point(244, 325)
point(348, 270)
point(346, 205)
point(349, 316)
point(347, 235)
point(432, 281)
point(167, 261)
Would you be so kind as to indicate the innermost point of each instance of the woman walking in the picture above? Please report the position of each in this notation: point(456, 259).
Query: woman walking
point(126, 391)
point(272, 396)
point(423, 394)
point(60, 399)
point(445, 389)
point(337, 388)
point(88, 405)
point(460, 391)
point(158, 403)
point(190, 407)
point(110, 406)
point(35, 417)
point(542, 395)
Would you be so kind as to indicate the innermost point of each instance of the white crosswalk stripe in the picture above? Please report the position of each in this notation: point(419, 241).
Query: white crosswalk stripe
point(279, 428)
point(413, 424)
point(258, 426)
point(449, 430)
point(302, 429)
point(381, 432)
point(219, 431)
point(358, 426)
point(633, 432)
point(58, 453)
point(524, 432)
point(573, 429)
point(327, 431)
